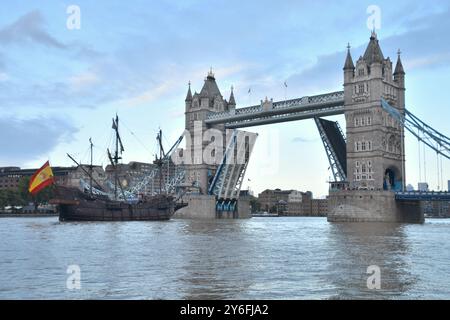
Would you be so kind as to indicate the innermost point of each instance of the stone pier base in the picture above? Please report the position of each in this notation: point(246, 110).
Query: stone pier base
point(204, 207)
point(371, 206)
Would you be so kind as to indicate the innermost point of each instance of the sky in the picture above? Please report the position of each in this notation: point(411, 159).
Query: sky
point(59, 86)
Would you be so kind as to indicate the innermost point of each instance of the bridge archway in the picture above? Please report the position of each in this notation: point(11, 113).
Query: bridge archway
point(392, 179)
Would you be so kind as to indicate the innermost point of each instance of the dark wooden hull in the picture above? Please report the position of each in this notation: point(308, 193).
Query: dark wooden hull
point(77, 206)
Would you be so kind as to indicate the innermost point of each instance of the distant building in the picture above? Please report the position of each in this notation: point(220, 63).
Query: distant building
point(10, 176)
point(130, 174)
point(436, 209)
point(68, 176)
point(292, 203)
point(423, 186)
point(133, 173)
point(448, 185)
point(274, 200)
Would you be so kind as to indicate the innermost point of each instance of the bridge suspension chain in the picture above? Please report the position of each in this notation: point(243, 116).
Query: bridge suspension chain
point(426, 135)
point(429, 134)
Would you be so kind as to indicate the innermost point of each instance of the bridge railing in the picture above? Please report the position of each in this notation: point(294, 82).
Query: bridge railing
point(423, 195)
point(314, 101)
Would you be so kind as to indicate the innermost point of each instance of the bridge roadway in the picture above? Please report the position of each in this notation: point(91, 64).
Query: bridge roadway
point(282, 111)
point(422, 196)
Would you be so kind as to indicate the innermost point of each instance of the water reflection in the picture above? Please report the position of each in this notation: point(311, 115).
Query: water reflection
point(259, 258)
point(216, 265)
point(355, 247)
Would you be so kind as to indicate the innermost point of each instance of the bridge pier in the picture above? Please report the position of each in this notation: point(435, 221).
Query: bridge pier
point(371, 206)
point(204, 207)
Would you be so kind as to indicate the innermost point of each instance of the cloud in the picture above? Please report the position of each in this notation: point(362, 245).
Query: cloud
point(149, 95)
point(24, 140)
point(302, 140)
point(431, 51)
point(83, 80)
point(3, 77)
point(29, 28)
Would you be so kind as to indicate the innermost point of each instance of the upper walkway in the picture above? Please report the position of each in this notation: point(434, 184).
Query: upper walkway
point(287, 110)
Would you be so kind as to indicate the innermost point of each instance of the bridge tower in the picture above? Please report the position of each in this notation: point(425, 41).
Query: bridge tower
point(375, 140)
point(198, 105)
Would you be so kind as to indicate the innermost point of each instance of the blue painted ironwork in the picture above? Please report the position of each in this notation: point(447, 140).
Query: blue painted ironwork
point(416, 126)
point(281, 111)
point(423, 196)
point(335, 147)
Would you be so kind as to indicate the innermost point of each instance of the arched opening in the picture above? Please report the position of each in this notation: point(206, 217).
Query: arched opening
point(392, 179)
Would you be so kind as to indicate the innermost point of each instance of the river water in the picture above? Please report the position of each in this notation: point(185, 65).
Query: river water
point(258, 258)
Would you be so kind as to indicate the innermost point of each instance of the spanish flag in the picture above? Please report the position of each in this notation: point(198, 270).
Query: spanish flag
point(41, 179)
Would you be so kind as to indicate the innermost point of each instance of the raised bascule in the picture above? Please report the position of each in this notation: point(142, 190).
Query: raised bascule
point(367, 163)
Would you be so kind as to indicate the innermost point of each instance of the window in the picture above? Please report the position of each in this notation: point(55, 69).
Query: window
point(363, 168)
point(369, 121)
point(361, 72)
point(363, 121)
point(361, 88)
point(369, 145)
point(357, 122)
point(357, 164)
point(363, 146)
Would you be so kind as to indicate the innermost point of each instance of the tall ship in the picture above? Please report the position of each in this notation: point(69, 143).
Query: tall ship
point(93, 204)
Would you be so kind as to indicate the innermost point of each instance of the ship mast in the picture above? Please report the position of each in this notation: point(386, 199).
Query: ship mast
point(159, 161)
point(116, 157)
point(91, 168)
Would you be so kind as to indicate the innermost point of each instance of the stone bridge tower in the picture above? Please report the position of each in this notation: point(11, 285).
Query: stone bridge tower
point(205, 160)
point(375, 140)
point(375, 143)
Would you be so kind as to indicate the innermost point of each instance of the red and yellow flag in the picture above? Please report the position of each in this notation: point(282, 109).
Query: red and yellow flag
point(41, 179)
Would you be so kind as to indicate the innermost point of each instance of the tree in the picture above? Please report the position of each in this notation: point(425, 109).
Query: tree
point(42, 196)
point(255, 205)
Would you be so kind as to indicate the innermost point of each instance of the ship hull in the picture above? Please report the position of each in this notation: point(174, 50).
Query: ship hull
point(76, 206)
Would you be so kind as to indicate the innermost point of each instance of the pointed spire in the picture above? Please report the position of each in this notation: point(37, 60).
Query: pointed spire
point(399, 67)
point(189, 93)
point(210, 74)
point(373, 52)
point(210, 88)
point(349, 61)
point(232, 101)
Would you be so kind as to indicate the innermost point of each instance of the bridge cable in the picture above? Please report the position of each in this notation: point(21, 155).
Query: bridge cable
point(437, 171)
point(420, 158)
point(424, 163)
point(442, 176)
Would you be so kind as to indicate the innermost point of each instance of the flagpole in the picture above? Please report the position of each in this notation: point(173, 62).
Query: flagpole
point(285, 91)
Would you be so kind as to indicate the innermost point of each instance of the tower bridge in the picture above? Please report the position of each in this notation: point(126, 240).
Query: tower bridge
point(368, 162)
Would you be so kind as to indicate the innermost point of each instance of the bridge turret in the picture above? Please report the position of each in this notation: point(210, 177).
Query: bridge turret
point(399, 79)
point(231, 102)
point(349, 74)
point(375, 146)
point(198, 106)
point(188, 99)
